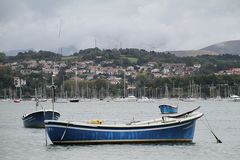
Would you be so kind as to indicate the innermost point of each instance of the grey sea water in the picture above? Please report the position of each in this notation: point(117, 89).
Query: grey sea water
point(17, 142)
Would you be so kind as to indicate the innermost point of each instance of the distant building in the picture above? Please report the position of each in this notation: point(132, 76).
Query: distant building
point(156, 70)
point(152, 64)
point(25, 71)
point(197, 66)
point(231, 71)
point(173, 69)
point(114, 80)
point(130, 68)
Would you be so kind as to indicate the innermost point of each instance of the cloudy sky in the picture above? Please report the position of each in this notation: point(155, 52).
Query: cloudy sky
point(149, 24)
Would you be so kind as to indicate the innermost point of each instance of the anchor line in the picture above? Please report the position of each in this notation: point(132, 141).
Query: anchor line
point(210, 129)
point(65, 131)
point(44, 115)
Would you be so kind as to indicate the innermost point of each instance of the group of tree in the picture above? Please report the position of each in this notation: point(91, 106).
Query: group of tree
point(34, 55)
point(2, 57)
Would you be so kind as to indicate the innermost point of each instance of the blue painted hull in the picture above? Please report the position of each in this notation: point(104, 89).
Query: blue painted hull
point(73, 133)
point(167, 109)
point(36, 119)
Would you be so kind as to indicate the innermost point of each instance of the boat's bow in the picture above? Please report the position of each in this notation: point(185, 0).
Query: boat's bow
point(36, 119)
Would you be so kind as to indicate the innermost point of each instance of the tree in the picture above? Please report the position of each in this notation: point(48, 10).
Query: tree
point(6, 77)
point(2, 56)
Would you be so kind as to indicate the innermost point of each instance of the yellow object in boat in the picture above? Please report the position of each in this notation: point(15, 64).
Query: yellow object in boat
point(95, 121)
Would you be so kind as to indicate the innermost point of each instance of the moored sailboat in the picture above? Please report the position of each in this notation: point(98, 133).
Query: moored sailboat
point(144, 99)
point(18, 100)
point(235, 98)
point(75, 99)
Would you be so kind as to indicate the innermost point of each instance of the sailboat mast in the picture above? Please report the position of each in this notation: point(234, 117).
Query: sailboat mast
point(53, 92)
point(15, 97)
point(20, 90)
point(124, 90)
point(63, 89)
point(5, 93)
point(87, 91)
point(36, 99)
point(108, 89)
point(144, 91)
point(76, 81)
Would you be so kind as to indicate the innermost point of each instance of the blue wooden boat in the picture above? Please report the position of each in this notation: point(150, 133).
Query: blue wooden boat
point(168, 109)
point(165, 129)
point(36, 119)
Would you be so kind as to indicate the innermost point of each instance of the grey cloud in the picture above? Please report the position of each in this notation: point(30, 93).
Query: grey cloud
point(148, 24)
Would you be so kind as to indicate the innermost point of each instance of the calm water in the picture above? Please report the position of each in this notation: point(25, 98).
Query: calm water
point(17, 142)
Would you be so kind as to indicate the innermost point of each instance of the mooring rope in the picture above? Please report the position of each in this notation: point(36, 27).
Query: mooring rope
point(210, 129)
point(65, 131)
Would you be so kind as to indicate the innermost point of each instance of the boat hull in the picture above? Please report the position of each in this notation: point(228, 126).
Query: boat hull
point(236, 99)
point(189, 99)
point(60, 100)
point(36, 119)
point(17, 100)
point(74, 100)
point(69, 133)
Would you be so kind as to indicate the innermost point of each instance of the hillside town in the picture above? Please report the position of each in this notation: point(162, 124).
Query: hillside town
point(97, 72)
point(89, 70)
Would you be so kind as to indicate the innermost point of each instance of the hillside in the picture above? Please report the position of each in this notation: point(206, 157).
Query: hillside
point(185, 53)
point(227, 47)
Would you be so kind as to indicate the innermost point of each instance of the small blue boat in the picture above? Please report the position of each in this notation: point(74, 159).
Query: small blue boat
point(165, 129)
point(168, 109)
point(36, 119)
